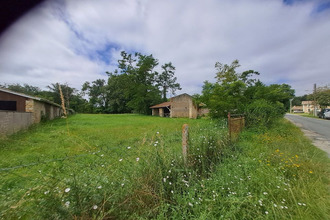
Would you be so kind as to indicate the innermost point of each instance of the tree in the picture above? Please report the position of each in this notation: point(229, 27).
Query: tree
point(322, 96)
point(166, 80)
point(236, 92)
point(26, 89)
point(98, 95)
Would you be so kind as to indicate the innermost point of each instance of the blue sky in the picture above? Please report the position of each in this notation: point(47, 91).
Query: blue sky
point(72, 42)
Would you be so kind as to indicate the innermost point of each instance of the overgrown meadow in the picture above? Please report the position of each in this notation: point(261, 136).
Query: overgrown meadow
point(131, 167)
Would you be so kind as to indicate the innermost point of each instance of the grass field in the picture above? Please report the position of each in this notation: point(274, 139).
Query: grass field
point(130, 167)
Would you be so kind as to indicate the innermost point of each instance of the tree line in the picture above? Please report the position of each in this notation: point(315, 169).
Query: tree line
point(131, 88)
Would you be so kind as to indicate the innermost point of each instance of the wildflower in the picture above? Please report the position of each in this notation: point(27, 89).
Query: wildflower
point(128, 147)
point(299, 203)
point(102, 155)
point(266, 212)
point(120, 160)
point(67, 203)
point(122, 184)
point(304, 204)
point(99, 187)
point(46, 192)
point(277, 150)
point(94, 206)
point(67, 190)
point(172, 191)
point(275, 205)
point(265, 193)
point(157, 132)
point(102, 165)
point(310, 171)
point(164, 180)
point(137, 159)
point(190, 204)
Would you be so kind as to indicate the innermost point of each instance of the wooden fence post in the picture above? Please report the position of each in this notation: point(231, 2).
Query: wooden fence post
point(229, 126)
point(185, 135)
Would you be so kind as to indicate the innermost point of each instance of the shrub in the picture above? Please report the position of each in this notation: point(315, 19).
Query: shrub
point(262, 114)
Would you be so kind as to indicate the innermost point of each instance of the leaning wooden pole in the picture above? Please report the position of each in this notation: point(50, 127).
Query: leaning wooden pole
point(62, 101)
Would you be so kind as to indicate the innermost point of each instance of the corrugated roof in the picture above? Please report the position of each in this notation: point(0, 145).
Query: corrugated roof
point(162, 105)
point(29, 97)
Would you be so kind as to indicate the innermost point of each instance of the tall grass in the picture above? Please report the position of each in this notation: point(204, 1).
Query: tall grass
point(129, 167)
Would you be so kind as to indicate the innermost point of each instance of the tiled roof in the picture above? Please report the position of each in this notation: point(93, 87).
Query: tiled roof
point(161, 105)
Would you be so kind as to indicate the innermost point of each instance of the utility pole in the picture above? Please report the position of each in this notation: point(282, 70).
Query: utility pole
point(291, 105)
point(314, 95)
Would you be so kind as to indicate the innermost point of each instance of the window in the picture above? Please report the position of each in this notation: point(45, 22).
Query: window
point(8, 105)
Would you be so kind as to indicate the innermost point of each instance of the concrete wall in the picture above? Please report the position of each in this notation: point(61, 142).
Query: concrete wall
point(42, 109)
point(11, 122)
point(182, 107)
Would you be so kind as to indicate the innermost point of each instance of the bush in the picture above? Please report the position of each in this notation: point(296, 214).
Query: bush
point(262, 114)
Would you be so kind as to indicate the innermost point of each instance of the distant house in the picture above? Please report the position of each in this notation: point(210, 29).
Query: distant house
point(180, 106)
point(308, 106)
point(297, 109)
point(19, 111)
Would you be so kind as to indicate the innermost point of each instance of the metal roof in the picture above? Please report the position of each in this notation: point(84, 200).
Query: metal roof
point(29, 97)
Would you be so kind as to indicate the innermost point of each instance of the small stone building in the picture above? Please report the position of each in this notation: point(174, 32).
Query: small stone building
point(180, 106)
point(18, 111)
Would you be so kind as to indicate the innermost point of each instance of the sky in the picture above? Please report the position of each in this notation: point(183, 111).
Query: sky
point(71, 41)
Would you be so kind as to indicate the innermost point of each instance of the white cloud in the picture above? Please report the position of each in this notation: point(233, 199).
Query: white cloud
point(76, 41)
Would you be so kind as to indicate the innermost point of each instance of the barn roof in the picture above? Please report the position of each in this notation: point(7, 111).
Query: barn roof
point(29, 97)
point(162, 105)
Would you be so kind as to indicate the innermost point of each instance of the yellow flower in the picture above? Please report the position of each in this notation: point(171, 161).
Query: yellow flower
point(310, 171)
point(277, 150)
point(296, 156)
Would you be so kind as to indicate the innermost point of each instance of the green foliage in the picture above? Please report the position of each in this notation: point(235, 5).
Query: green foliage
point(322, 96)
point(166, 80)
point(236, 92)
point(262, 114)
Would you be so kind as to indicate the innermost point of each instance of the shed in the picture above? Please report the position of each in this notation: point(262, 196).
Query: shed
point(180, 106)
point(18, 102)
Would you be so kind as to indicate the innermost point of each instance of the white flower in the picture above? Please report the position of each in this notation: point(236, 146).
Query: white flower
point(95, 207)
point(122, 184)
point(99, 187)
point(266, 212)
point(155, 145)
point(299, 203)
point(102, 155)
point(157, 132)
point(172, 191)
point(275, 205)
point(137, 159)
point(67, 203)
point(265, 193)
point(102, 165)
point(67, 190)
point(120, 160)
point(46, 192)
point(190, 204)
point(164, 180)
point(128, 147)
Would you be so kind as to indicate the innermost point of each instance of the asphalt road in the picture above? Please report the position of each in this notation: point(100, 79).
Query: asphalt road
point(318, 130)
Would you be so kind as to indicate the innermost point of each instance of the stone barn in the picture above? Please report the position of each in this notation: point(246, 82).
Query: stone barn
point(19, 111)
point(180, 106)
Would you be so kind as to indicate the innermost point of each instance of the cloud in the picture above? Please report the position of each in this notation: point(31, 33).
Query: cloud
point(77, 41)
